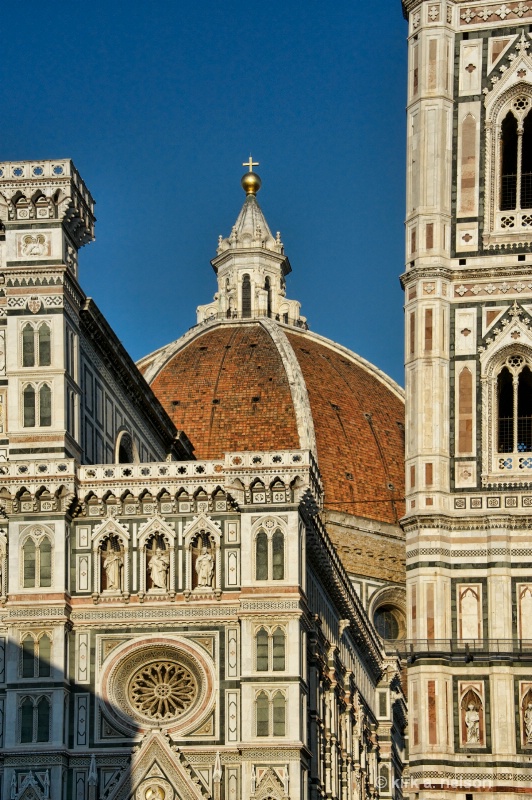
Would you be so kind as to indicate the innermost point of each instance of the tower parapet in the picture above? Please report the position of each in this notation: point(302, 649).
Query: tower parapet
point(47, 213)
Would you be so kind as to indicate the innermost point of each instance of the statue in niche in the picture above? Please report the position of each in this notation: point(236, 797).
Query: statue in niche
point(113, 563)
point(158, 567)
point(472, 721)
point(527, 716)
point(205, 568)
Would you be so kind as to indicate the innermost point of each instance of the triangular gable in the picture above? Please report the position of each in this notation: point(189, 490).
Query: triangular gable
point(109, 527)
point(155, 525)
point(156, 762)
point(202, 523)
point(269, 784)
point(514, 330)
point(518, 66)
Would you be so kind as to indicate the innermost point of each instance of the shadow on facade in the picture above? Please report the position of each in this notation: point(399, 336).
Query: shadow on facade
point(59, 740)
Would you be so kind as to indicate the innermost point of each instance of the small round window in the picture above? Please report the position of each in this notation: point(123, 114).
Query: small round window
point(389, 622)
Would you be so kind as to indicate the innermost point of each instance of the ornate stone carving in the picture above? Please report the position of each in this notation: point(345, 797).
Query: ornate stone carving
point(162, 690)
point(161, 682)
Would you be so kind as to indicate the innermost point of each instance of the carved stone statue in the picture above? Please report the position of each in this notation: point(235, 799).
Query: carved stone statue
point(528, 722)
point(112, 564)
point(205, 568)
point(158, 566)
point(472, 721)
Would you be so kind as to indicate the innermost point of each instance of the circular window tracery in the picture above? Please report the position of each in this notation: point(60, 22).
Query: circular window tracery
point(158, 682)
point(162, 690)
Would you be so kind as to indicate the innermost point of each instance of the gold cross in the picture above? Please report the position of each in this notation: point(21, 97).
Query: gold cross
point(250, 163)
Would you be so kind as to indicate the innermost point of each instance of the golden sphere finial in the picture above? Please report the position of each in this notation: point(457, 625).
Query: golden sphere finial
point(251, 182)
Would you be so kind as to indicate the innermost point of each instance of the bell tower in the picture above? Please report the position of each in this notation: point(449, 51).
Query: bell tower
point(468, 356)
point(46, 215)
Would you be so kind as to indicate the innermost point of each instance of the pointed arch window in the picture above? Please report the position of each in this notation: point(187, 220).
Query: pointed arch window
point(37, 563)
point(37, 406)
point(28, 404)
point(279, 714)
point(261, 555)
point(270, 649)
point(28, 346)
point(246, 296)
point(514, 407)
point(34, 720)
point(44, 345)
point(268, 288)
point(516, 157)
point(262, 647)
point(278, 556)
point(270, 713)
point(36, 345)
point(508, 195)
point(36, 657)
point(269, 556)
point(262, 709)
point(278, 650)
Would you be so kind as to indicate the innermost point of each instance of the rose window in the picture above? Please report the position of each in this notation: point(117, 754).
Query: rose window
point(160, 684)
point(162, 690)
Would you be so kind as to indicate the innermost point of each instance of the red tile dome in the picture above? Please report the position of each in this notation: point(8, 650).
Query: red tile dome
point(260, 385)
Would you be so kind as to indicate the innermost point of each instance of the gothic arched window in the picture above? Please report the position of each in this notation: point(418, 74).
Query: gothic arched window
point(278, 650)
point(516, 158)
point(514, 407)
point(29, 555)
point(261, 642)
point(36, 656)
point(45, 406)
point(261, 556)
point(270, 650)
point(269, 556)
point(26, 721)
point(44, 345)
point(37, 563)
point(262, 711)
point(508, 194)
point(43, 720)
point(36, 345)
point(34, 720)
point(28, 657)
point(28, 407)
point(36, 406)
point(279, 714)
point(509, 161)
point(45, 562)
point(278, 556)
point(268, 288)
point(246, 296)
point(28, 346)
point(270, 713)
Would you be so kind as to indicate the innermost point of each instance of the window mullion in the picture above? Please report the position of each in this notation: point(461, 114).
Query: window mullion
point(514, 420)
point(519, 164)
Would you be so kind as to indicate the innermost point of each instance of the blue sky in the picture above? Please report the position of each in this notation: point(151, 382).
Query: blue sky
point(159, 103)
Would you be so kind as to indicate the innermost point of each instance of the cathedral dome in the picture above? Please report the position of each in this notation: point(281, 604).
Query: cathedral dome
point(253, 385)
point(250, 376)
